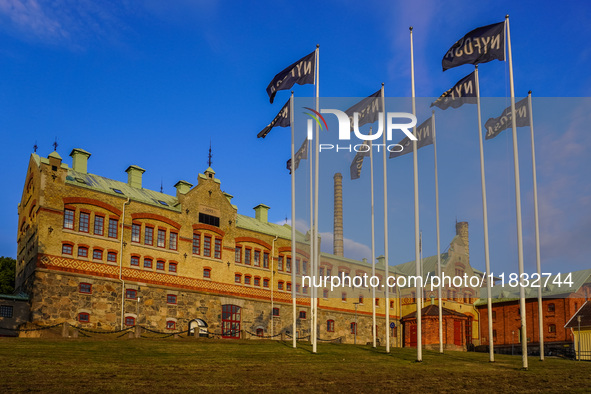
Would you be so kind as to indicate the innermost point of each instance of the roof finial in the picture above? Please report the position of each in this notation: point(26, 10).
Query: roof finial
point(55, 145)
point(161, 185)
point(35, 147)
point(209, 156)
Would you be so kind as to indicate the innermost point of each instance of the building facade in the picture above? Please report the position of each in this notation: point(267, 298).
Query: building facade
point(105, 254)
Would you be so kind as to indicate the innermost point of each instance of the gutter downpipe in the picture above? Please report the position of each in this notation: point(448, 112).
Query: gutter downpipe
point(121, 261)
point(273, 284)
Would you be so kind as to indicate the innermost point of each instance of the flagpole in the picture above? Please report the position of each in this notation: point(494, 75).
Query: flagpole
point(373, 248)
point(293, 211)
point(385, 228)
point(537, 222)
point(311, 236)
point(386, 260)
point(491, 350)
point(438, 242)
point(316, 243)
point(416, 193)
point(517, 204)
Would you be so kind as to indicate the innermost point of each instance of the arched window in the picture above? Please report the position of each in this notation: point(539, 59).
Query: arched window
point(130, 321)
point(170, 325)
point(260, 332)
point(83, 317)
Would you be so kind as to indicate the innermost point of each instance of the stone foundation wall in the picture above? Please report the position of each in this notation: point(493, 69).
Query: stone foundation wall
point(57, 298)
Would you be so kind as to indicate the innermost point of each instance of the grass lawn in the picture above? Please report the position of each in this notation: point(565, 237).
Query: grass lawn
point(188, 365)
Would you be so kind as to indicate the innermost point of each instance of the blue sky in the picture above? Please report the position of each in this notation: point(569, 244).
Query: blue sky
point(151, 83)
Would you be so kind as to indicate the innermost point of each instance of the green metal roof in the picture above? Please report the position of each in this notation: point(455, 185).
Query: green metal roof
point(429, 265)
point(282, 231)
point(109, 186)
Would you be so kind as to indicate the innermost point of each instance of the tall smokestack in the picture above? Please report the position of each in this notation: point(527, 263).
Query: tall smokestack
point(338, 215)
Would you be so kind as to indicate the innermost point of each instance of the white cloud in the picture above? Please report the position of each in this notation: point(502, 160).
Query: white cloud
point(352, 249)
point(62, 22)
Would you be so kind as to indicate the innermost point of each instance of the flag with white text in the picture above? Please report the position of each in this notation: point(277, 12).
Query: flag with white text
point(494, 126)
point(301, 72)
point(463, 92)
point(282, 120)
point(424, 136)
point(301, 154)
point(481, 45)
point(368, 109)
point(357, 162)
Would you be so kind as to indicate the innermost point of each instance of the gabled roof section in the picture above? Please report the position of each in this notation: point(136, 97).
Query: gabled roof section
point(585, 313)
point(122, 189)
point(38, 160)
point(429, 265)
point(433, 310)
point(551, 290)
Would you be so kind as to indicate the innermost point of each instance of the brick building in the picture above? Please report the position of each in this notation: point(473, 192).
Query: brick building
point(106, 254)
point(559, 303)
point(460, 317)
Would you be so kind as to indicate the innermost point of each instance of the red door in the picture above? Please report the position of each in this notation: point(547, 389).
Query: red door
point(413, 335)
point(457, 333)
point(230, 321)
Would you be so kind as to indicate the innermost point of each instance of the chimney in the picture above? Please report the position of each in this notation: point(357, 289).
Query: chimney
point(338, 215)
point(134, 176)
point(79, 160)
point(261, 212)
point(381, 261)
point(182, 187)
point(462, 232)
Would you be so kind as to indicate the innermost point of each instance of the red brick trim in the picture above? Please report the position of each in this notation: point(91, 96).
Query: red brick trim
point(190, 240)
point(91, 201)
point(203, 226)
point(253, 240)
point(51, 210)
point(228, 249)
point(154, 216)
point(164, 279)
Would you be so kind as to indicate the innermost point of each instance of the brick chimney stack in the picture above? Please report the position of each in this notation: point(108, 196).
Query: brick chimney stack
point(338, 215)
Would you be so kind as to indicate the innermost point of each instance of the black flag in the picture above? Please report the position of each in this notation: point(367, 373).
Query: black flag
point(301, 154)
point(463, 92)
point(481, 45)
point(282, 120)
point(494, 126)
point(368, 109)
point(357, 162)
point(301, 72)
point(424, 136)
